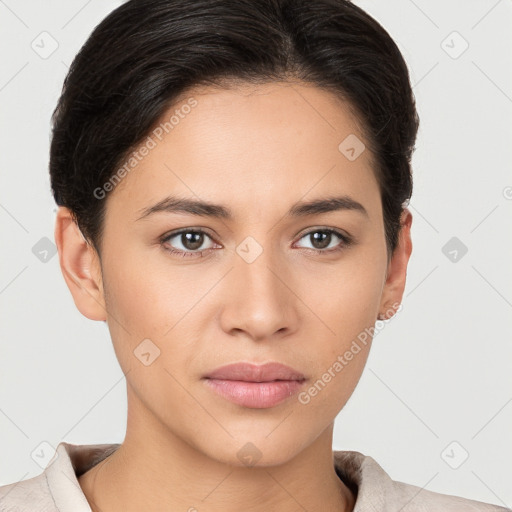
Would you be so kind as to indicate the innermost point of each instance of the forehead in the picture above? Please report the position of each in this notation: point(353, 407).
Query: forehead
point(251, 146)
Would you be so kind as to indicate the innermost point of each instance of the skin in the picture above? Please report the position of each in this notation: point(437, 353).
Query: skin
point(257, 150)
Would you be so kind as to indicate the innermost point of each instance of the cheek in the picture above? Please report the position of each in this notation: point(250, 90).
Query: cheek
point(347, 296)
point(144, 293)
point(151, 298)
point(345, 305)
point(341, 347)
point(133, 295)
point(146, 312)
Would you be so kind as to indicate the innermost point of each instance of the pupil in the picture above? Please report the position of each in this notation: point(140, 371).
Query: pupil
point(192, 241)
point(323, 238)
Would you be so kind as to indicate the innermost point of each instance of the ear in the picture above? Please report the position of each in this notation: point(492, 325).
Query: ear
point(80, 266)
point(397, 269)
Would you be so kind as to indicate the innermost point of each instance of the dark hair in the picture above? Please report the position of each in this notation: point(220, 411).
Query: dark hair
point(147, 53)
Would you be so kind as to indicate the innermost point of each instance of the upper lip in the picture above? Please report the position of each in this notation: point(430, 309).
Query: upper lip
point(255, 373)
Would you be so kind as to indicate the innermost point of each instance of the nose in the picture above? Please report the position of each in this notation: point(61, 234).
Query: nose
point(258, 298)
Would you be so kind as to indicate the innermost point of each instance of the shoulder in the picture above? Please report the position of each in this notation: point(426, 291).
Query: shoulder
point(376, 490)
point(57, 487)
point(417, 499)
point(27, 496)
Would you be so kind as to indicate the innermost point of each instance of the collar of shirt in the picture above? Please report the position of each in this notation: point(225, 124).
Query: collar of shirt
point(57, 488)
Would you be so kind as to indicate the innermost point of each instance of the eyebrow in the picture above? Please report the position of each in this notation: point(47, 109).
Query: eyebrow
point(172, 204)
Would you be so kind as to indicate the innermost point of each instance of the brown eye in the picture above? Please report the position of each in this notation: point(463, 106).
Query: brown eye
point(191, 240)
point(320, 239)
point(187, 242)
point(326, 240)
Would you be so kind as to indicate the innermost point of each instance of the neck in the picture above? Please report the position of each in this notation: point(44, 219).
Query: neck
point(162, 471)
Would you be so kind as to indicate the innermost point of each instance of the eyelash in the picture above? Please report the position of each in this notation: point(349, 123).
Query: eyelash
point(346, 242)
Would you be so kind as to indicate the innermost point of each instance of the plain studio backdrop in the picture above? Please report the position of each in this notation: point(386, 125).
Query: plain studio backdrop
point(434, 404)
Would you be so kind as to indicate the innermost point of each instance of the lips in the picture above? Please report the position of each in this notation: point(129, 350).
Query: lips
point(249, 372)
point(255, 386)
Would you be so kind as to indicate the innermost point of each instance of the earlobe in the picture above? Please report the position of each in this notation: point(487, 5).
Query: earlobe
point(80, 266)
point(397, 269)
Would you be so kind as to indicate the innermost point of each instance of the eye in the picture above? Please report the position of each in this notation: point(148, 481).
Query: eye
point(187, 242)
point(191, 242)
point(324, 240)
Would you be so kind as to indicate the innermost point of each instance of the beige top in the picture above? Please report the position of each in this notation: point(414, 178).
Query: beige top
point(57, 487)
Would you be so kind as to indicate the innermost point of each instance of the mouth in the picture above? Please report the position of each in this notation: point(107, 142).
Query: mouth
point(250, 372)
point(255, 386)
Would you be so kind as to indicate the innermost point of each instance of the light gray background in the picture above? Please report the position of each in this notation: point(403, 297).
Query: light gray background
point(439, 372)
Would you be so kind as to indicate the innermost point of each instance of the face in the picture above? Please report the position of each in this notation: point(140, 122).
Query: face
point(257, 279)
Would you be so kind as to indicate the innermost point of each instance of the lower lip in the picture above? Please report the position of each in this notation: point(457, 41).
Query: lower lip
point(258, 395)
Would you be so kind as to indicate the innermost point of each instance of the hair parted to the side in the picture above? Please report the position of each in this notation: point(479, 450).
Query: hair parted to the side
point(147, 53)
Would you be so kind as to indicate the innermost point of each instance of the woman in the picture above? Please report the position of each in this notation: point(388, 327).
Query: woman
point(232, 181)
